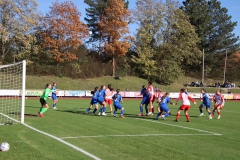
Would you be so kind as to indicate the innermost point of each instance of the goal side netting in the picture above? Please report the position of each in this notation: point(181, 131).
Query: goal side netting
point(12, 93)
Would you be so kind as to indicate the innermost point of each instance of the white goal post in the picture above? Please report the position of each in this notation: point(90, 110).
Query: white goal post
point(12, 92)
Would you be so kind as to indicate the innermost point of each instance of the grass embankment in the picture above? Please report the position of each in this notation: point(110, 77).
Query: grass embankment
point(130, 83)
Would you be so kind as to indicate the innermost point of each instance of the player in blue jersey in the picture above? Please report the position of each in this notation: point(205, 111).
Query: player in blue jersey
point(205, 102)
point(145, 100)
point(93, 101)
point(117, 100)
point(54, 96)
point(163, 106)
point(100, 99)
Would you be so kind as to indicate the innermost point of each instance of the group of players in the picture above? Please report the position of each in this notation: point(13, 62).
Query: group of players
point(106, 96)
point(149, 96)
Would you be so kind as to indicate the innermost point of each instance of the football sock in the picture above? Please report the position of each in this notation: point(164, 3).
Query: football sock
point(100, 110)
point(115, 112)
point(44, 110)
point(122, 112)
point(104, 109)
point(89, 109)
point(219, 113)
point(141, 109)
point(146, 110)
point(152, 109)
point(178, 115)
point(40, 109)
point(200, 110)
point(166, 114)
point(158, 115)
point(187, 116)
point(95, 109)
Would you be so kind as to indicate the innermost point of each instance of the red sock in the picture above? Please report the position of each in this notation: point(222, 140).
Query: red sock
point(178, 115)
point(152, 109)
point(187, 116)
point(219, 113)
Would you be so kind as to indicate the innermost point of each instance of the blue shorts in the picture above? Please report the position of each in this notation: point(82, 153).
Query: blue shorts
point(54, 97)
point(93, 102)
point(145, 101)
point(207, 105)
point(118, 106)
point(100, 100)
point(165, 109)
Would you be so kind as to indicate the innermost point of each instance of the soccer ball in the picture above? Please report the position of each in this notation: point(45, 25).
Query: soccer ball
point(4, 146)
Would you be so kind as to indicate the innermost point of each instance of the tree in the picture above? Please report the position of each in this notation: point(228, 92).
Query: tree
point(94, 16)
point(166, 42)
point(18, 19)
point(149, 16)
point(63, 31)
point(115, 27)
point(213, 25)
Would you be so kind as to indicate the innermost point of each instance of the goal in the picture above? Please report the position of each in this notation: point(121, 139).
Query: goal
point(12, 93)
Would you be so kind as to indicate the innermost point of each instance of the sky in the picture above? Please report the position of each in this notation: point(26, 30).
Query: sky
point(233, 7)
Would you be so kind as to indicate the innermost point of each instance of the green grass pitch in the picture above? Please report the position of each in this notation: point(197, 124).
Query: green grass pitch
point(131, 138)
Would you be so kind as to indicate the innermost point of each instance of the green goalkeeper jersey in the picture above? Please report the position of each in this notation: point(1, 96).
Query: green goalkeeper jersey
point(46, 93)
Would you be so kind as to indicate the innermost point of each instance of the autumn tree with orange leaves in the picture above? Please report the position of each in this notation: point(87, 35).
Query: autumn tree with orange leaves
point(115, 27)
point(63, 31)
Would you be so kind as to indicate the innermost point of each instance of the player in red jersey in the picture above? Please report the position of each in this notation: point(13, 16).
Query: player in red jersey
point(219, 101)
point(150, 90)
point(108, 97)
point(185, 104)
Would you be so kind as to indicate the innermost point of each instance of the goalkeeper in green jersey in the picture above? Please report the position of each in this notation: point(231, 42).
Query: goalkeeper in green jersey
point(43, 99)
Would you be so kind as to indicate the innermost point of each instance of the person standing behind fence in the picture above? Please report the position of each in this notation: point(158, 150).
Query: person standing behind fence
point(54, 96)
point(117, 100)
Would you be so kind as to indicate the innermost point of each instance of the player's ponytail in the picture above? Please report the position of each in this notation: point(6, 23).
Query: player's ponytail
point(116, 95)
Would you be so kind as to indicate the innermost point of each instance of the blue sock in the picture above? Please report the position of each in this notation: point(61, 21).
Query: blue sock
point(146, 110)
point(166, 114)
point(100, 110)
point(158, 115)
point(115, 112)
point(95, 109)
point(54, 104)
point(122, 112)
point(104, 109)
point(141, 109)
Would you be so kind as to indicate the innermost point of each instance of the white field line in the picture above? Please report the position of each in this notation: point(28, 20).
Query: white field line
point(174, 125)
point(56, 138)
point(136, 135)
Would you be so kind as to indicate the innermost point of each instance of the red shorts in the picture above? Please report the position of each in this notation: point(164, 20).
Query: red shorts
point(152, 98)
point(185, 107)
point(218, 105)
point(108, 101)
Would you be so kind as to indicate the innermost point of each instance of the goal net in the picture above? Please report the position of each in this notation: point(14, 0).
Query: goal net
point(12, 93)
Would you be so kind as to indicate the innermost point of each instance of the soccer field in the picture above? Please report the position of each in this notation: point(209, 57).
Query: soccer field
point(67, 133)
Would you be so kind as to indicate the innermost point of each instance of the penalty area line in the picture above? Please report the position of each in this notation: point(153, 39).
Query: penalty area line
point(174, 125)
point(135, 135)
point(56, 138)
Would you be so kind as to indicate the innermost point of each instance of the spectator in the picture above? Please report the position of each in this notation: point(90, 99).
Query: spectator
point(126, 89)
point(117, 77)
point(156, 89)
point(229, 91)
